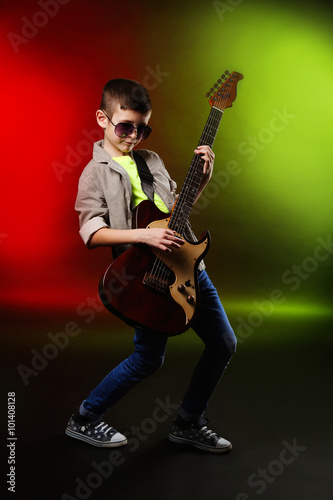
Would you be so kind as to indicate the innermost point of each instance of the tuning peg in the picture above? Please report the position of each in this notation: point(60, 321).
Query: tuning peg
point(215, 85)
point(211, 90)
point(227, 72)
point(208, 94)
point(223, 76)
point(219, 80)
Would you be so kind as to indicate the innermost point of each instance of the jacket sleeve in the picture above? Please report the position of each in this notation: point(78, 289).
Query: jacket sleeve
point(91, 206)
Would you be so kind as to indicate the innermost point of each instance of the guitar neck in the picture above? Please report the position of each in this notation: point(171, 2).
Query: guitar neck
point(189, 191)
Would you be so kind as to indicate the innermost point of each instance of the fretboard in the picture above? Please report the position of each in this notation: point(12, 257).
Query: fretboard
point(189, 191)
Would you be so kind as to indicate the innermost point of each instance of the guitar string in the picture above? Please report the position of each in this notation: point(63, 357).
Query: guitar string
point(160, 270)
point(214, 117)
point(194, 175)
point(214, 121)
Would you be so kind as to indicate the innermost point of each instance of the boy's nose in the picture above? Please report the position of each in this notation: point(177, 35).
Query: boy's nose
point(134, 133)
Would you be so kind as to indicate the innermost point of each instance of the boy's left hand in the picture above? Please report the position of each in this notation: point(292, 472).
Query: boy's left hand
point(208, 156)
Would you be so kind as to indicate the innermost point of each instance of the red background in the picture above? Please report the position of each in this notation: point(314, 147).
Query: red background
point(50, 92)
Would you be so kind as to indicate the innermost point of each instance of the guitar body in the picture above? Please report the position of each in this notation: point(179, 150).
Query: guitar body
point(152, 289)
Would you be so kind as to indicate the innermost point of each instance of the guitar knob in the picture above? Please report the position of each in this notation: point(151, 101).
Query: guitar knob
point(181, 288)
point(190, 299)
point(188, 282)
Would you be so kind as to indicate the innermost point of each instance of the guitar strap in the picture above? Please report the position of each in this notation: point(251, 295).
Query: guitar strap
point(145, 175)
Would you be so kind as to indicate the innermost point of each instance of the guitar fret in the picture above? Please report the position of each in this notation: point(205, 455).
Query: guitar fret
point(187, 196)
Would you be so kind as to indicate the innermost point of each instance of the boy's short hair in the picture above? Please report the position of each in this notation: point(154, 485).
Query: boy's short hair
point(128, 93)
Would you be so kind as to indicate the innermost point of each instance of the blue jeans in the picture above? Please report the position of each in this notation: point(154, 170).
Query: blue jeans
point(211, 325)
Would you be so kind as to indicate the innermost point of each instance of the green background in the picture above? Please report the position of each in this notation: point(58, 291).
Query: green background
point(267, 216)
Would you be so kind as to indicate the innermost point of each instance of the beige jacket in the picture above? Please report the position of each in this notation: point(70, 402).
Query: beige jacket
point(105, 192)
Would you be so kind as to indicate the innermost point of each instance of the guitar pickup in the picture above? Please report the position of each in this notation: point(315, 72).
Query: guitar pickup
point(156, 283)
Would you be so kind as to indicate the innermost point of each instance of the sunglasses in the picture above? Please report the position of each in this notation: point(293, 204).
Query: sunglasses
point(124, 129)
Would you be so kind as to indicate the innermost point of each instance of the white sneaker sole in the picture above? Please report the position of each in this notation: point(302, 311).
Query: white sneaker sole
point(94, 442)
point(202, 446)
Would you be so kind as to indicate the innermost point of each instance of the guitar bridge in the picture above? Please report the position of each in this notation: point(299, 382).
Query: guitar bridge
point(156, 283)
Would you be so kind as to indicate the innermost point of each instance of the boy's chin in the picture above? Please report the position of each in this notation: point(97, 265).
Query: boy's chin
point(127, 147)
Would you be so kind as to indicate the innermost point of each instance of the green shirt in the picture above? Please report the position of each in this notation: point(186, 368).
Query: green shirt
point(138, 195)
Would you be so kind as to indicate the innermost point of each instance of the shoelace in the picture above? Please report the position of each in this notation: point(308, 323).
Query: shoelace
point(208, 432)
point(104, 428)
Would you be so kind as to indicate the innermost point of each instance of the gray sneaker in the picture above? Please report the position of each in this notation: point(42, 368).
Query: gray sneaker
point(198, 435)
point(98, 434)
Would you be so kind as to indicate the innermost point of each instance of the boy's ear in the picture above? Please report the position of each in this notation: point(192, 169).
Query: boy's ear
point(101, 118)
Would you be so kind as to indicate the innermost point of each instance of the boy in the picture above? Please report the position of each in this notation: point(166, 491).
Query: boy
point(109, 189)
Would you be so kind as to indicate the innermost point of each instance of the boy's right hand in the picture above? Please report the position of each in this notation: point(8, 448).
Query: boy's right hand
point(157, 237)
point(164, 239)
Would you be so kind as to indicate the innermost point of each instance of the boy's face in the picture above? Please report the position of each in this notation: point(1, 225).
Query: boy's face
point(119, 146)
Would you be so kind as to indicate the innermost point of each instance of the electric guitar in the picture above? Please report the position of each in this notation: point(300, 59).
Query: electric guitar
point(156, 290)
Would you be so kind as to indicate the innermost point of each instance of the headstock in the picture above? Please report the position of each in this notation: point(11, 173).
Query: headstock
point(223, 92)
